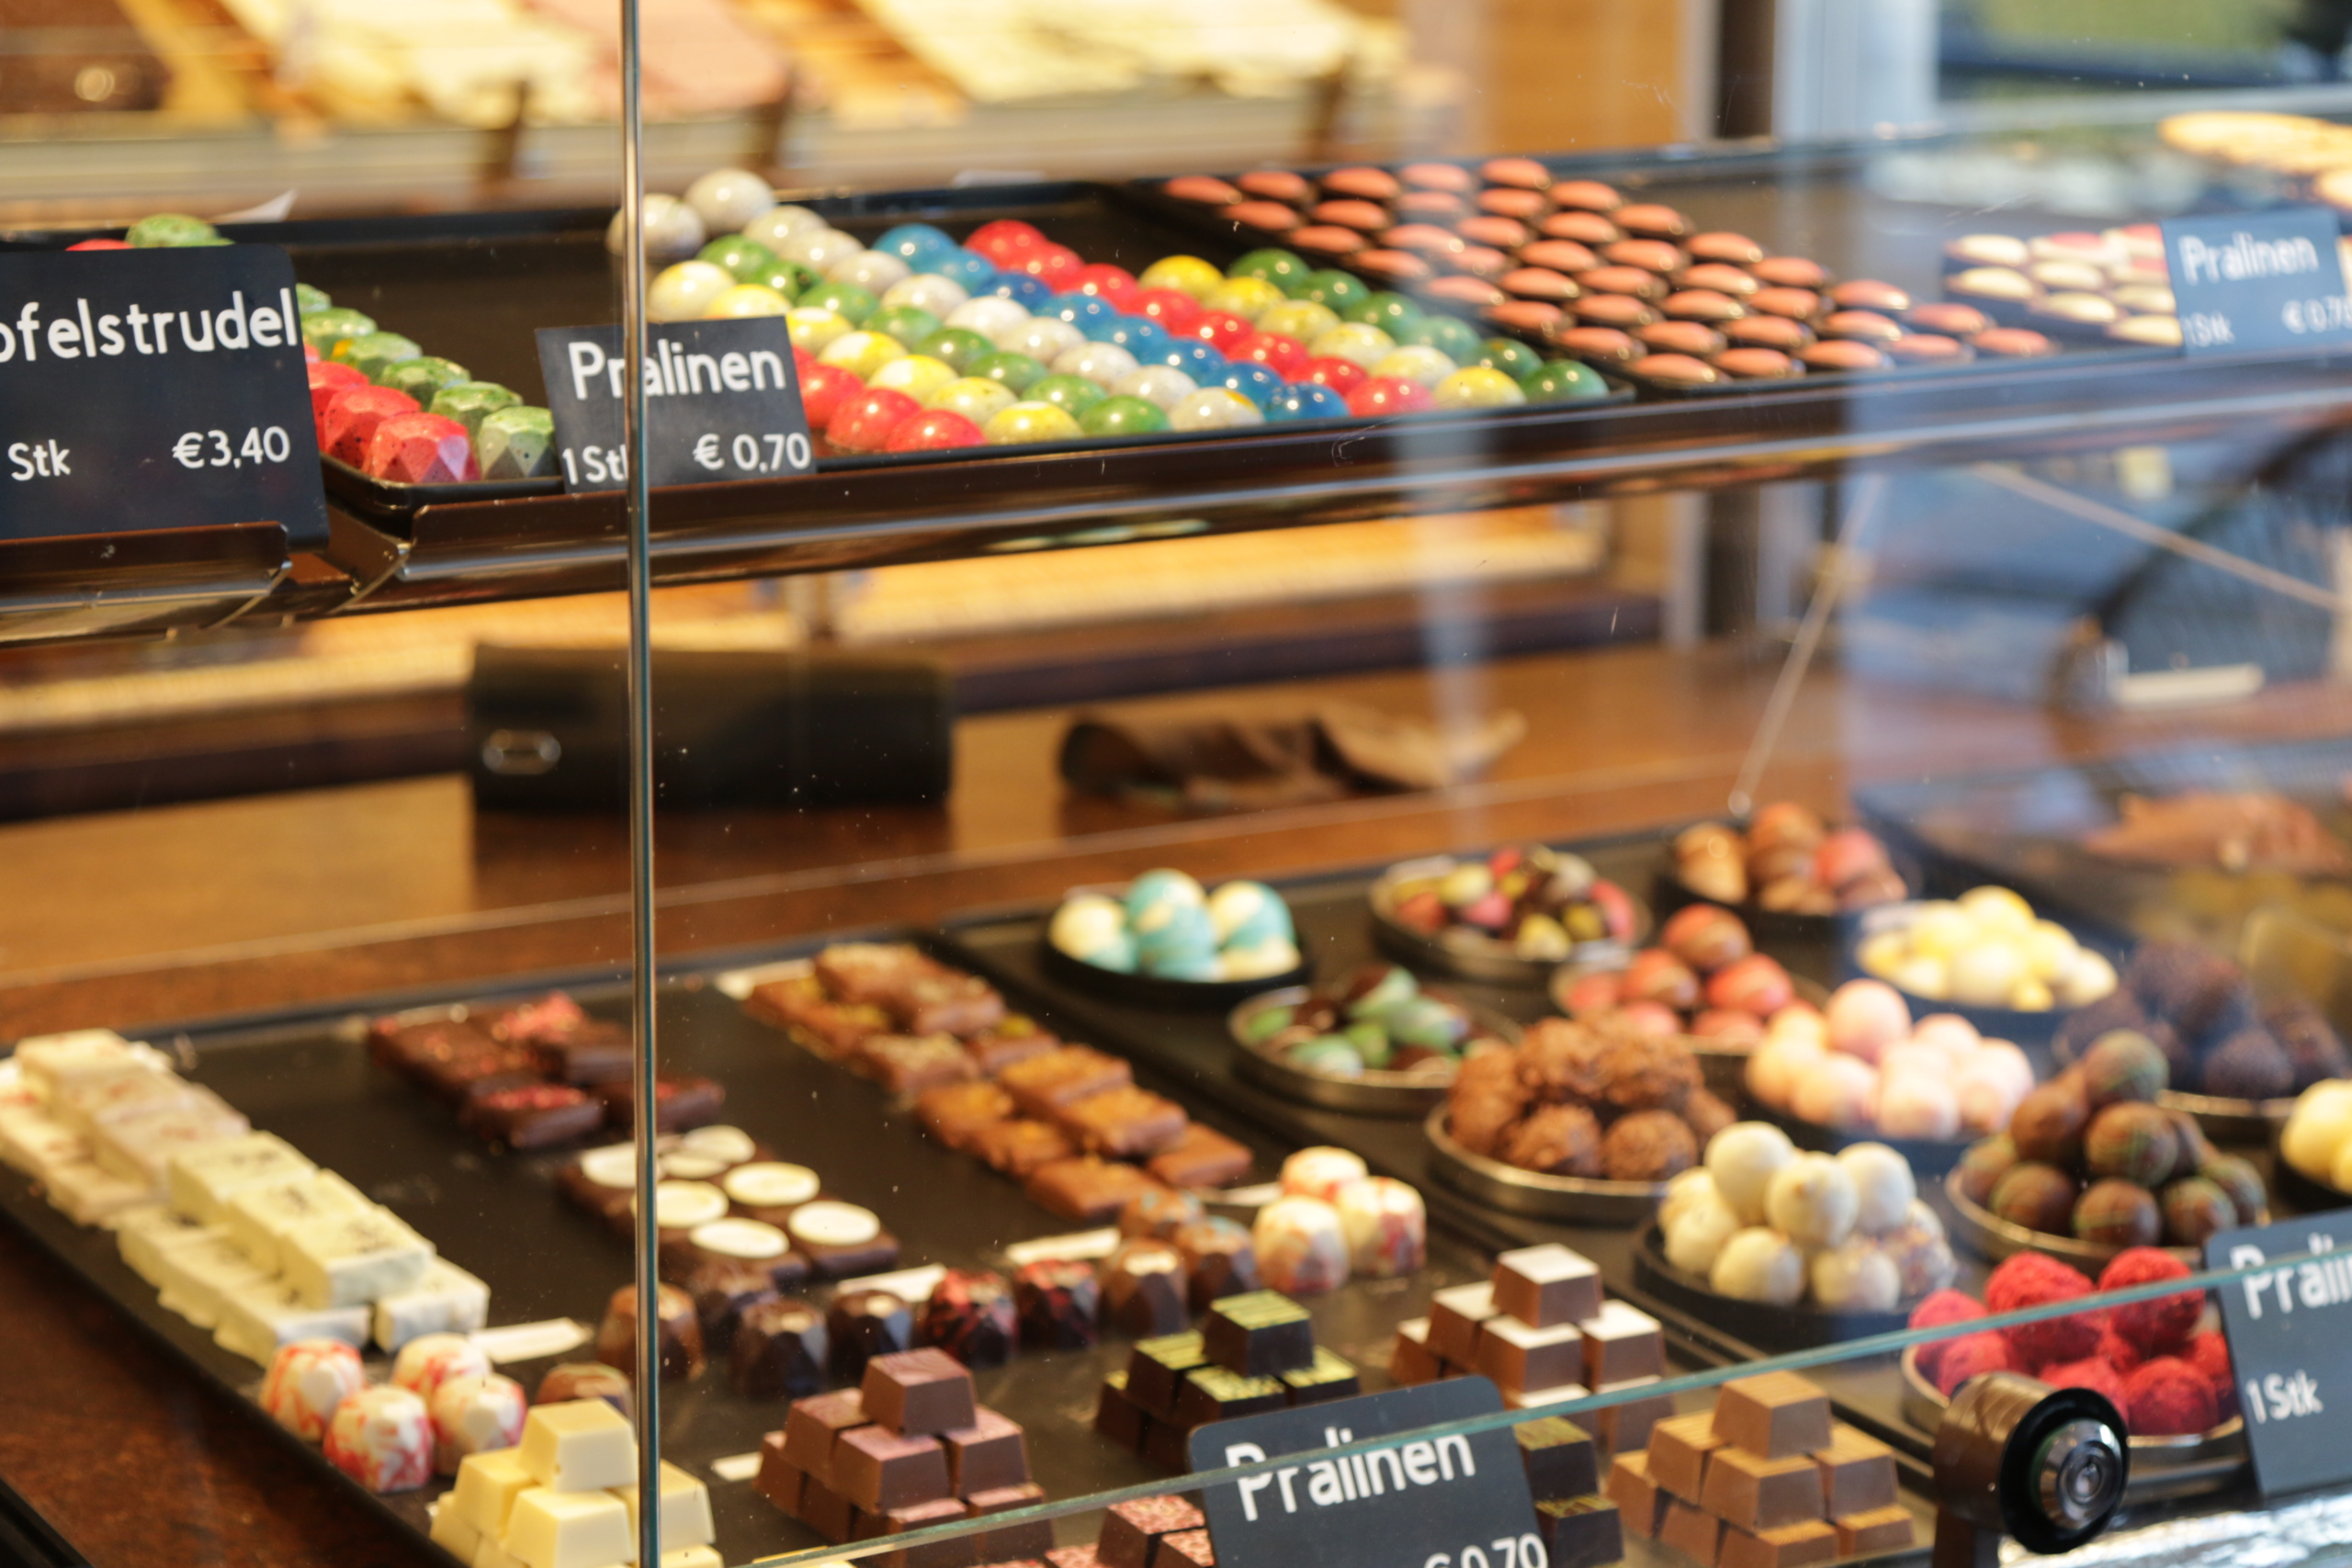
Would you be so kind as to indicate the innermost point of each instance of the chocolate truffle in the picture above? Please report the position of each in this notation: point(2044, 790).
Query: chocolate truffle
point(1622, 311)
point(1145, 1290)
point(970, 1316)
point(1586, 195)
point(1861, 326)
point(862, 1325)
point(1869, 294)
point(1058, 1304)
point(2250, 1065)
point(1597, 345)
point(2038, 1197)
point(1947, 317)
point(1364, 182)
point(1723, 245)
point(680, 1332)
point(2047, 1122)
point(1276, 185)
point(1652, 220)
point(2238, 1181)
point(780, 1350)
point(2132, 1143)
point(1559, 1140)
point(2312, 1043)
point(1220, 1258)
point(2195, 1210)
point(2122, 1064)
point(584, 1379)
point(2118, 1213)
point(1790, 304)
point(1648, 1146)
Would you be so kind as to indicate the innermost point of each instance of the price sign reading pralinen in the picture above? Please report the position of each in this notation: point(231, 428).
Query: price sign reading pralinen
point(2259, 280)
point(2289, 1330)
point(722, 403)
point(157, 389)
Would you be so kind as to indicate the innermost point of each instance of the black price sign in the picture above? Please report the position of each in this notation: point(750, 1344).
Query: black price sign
point(2291, 1346)
point(152, 389)
point(2267, 280)
point(1455, 1502)
point(720, 398)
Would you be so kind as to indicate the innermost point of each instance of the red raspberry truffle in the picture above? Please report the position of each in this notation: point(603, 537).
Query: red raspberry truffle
point(2161, 1325)
point(2090, 1373)
point(2209, 1354)
point(2117, 1351)
point(2030, 1280)
point(2167, 1397)
point(1972, 1356)
point(1936, 1309)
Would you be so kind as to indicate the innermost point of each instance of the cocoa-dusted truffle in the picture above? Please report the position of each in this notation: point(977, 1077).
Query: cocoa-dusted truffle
point(2049, 1122)
point(1986, 1161)
point(1558, 1056)
point(2195, 1211)
point(1645, 1072)
point(1648, 1146)
point(2119, 1008)
point(1486, 1100)
point(2312, 1043)
point(1558, 1140)
point(1707, 1115)
point(2250, 1065)
point(2118, 1213)
point(2132, 1143)
point(2122, 1064)
point(2038, 1197)
point(2185, 983)
point(2238, 1179)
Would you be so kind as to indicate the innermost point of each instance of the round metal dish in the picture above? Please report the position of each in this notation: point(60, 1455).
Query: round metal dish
point(2013, 1024)
point(1378, 1092)
point(1997, 1238)
point(1582, 1200)
point(1152, 991)
point(1926, 1157)
point(2161, 1467)
point(1724, 1067)
point(1778, 928)
point(2232, 1121)
point(1470, 956)
point(1759, 1324)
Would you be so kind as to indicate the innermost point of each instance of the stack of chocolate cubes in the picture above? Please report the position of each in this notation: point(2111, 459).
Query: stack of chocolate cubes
point(909, 1449)
point(1766, 1481)
point(1540, 1328)
point(1579, 1527)
point(1256, 1352)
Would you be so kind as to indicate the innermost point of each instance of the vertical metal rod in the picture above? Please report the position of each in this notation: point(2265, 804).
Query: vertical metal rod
point(1869, 491)
point(640, 795)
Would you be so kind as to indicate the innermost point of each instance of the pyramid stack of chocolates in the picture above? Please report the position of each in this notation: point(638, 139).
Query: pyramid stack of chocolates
point(1256, 1352)
point(1542, 1331)
point(1766, 1480)
point(909, 1449)
point(535, 1074)
point(1579, 1526)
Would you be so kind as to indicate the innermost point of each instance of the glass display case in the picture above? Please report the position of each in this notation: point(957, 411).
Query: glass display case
point(1479, 835)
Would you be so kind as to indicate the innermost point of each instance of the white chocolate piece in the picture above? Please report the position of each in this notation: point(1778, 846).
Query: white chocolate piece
point(447, 1301)
point(131, 1088)
point(204, 1179)
point(830, 1223)
point(493, 1555)
point(684, 1165)
point(613, 1165)
point(685, 1512)
point(150, 1230)
point(682, 1205)
point(729, 1144)
point(89, 1194)
point(257, 1216)
point(579, 1445)
point(487, 1486)
point(1758, 1265)
point(1883, 1186)
point(770, 1184)
point(37, 1142)
point(196, 1277)
point(353, 1259)
point(452, 1534)
point(1695, 1237)
point(566, 1529)
point(51, 1061)
point(1812, 1202)
point(256, 1319)
point(140, 1147)
point(693, 1557)
point(1743, 1159)
point(751, 1239)
point(1857, 1276)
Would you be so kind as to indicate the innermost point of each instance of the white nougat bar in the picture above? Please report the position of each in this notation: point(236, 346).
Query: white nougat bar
point(204, 1179)
point(447, 1301)
point(36, 1142)
point(49, 1060)
point(257, 1216)
point(130, 1088)
point(141, 1147)
point(149, 1230)
point(353, 1259)
point(256, 1319)
point(197, 1276)
point(90, 1194)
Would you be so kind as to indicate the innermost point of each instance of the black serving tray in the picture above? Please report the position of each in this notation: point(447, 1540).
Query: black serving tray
point(307, 1075)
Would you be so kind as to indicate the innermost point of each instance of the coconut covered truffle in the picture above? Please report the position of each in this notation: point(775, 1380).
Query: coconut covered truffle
point(1759, 1265)
point(1588, 1097)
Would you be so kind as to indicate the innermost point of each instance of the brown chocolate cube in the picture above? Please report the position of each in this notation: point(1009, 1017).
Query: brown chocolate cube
point(1330, 1376)
point(1043, 1086)
point(1261, 1334)
point(1857, 1472)
point(1772, 1415)
point(1089, 1190)
point(1881, 1530)
point(1145, 1289)
point(1626, 1425)
point(1639, 1501)
point(1692, 1531)
point(1523, 1358)
point(1412, 1361)
point(1622, 1342)
point(919, 1392)
point(1679, 1449)
point(1202, 1157)
point(1547, 1285)
point(1073, 1557)
point(813, 1425)
point(1580, 1532)
point(826, 1511)
point(955, 1552)
point(1156, 1369)
point(1116, 1417)
point(1213, 1394)
point(1185, 1549)
point(779, 1479)
point(1791, 1546)
point(1026, 1538)
point(1167, 1444)
point(1129, 1528)
point(1455, 1317)
point(880, 1469)
point(987, 1456)
point(1762, 1493)
point(1558, 1457)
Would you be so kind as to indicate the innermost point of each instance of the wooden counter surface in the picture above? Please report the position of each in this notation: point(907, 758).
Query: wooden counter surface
point(229, 907)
